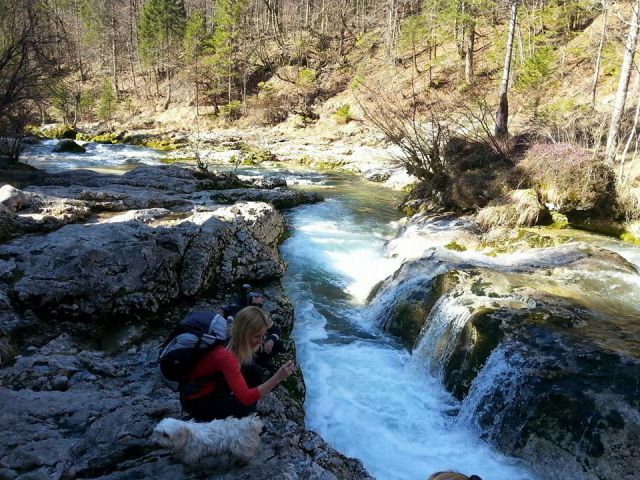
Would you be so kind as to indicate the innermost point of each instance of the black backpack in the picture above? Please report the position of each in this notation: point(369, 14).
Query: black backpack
point(194, 336)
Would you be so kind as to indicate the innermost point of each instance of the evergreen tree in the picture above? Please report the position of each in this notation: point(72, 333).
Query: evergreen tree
point(224, 46)
point(108, 101)
point(161, 29)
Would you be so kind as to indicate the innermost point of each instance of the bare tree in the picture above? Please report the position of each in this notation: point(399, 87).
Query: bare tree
point(502, 116)
point(603, 34)
point(419, 128)
point(623, 83)
point(28, 60)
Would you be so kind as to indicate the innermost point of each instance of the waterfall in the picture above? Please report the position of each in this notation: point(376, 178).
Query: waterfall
point(440, 334)
point(504, 367)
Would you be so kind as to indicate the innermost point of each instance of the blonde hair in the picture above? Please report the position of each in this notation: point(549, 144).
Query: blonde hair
point(452, 476)
point(248, 322)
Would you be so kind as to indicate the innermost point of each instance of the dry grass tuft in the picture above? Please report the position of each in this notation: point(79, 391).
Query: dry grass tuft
point(519, 208)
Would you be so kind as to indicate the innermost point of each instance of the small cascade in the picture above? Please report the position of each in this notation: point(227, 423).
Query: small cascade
point(504, 367)
point(440, 335)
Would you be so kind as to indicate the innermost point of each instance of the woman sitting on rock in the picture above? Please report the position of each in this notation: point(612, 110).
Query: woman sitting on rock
point(223, 389)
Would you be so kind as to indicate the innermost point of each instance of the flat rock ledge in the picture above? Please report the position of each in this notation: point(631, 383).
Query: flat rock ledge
point(94, 271)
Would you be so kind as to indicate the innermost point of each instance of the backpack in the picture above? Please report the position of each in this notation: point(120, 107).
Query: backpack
point(194, 336)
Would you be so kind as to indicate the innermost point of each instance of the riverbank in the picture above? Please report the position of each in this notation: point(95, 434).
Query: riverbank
point(95, 270)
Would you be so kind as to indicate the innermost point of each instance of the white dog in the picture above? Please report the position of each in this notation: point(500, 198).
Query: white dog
point(192, 441)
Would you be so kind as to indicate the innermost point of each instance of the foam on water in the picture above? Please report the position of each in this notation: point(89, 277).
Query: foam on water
point(365, 394)
point(98, 155)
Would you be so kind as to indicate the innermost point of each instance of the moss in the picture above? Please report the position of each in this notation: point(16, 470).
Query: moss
point(83, 137)
point(453, 245)
point(630, 237)
point(327, 164)
point(523, 238)
point(256, 156)
point(560, 221)
point(108, 138)
point(57, 131)
point(343, 115)
point(163, 143)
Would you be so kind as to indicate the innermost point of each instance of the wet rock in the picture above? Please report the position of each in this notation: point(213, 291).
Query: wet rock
point(546, 370)
point(68, 145)
point(281, 199)
point(129, 268)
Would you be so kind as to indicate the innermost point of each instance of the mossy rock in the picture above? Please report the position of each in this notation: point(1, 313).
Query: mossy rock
point(522, 239)
point(595, 223)
point(326, 164)
point(630, 237)
point(163, 143)
point(107, 138)
point(256, 156)
point(559, 221)
point(409, 315)
point(455, 246)
point(57, 131)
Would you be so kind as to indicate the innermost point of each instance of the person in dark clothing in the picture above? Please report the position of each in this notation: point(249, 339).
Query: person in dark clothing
point(272, 345)
point(224, 390)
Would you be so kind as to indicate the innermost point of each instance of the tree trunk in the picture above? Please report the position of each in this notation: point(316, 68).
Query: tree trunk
point(469, 45)
point(623, 84)
point(114, 61)
point(502, 116)
point(391, 29)
point(603, 34)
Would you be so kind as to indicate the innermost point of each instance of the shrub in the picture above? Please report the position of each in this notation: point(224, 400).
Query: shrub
point(565, 121)
point(568, 177)
point(254, 156)
point(232, 110)
point(342, 115)
point(108, 101)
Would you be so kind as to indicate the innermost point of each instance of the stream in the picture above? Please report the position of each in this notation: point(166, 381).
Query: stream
point(366, 394)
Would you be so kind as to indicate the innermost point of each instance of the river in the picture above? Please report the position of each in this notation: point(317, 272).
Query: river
point(365, 393)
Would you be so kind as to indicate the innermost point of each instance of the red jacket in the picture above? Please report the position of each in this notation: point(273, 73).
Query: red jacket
point(219, 359)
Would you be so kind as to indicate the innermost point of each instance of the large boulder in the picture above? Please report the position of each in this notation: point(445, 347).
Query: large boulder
point(70, 146)
point(546, 370)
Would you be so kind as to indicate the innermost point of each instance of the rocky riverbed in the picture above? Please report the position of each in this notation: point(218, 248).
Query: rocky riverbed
point(94, 270)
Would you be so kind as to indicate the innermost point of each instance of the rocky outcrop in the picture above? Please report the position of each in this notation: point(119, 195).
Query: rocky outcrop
point(85, 301)
point(546, 370)
point(126, 268)
point(74, 196)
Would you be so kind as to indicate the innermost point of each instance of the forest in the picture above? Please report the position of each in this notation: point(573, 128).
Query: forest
point(499, 75)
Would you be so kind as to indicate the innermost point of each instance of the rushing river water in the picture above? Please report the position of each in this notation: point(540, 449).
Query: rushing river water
point(365, 393)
